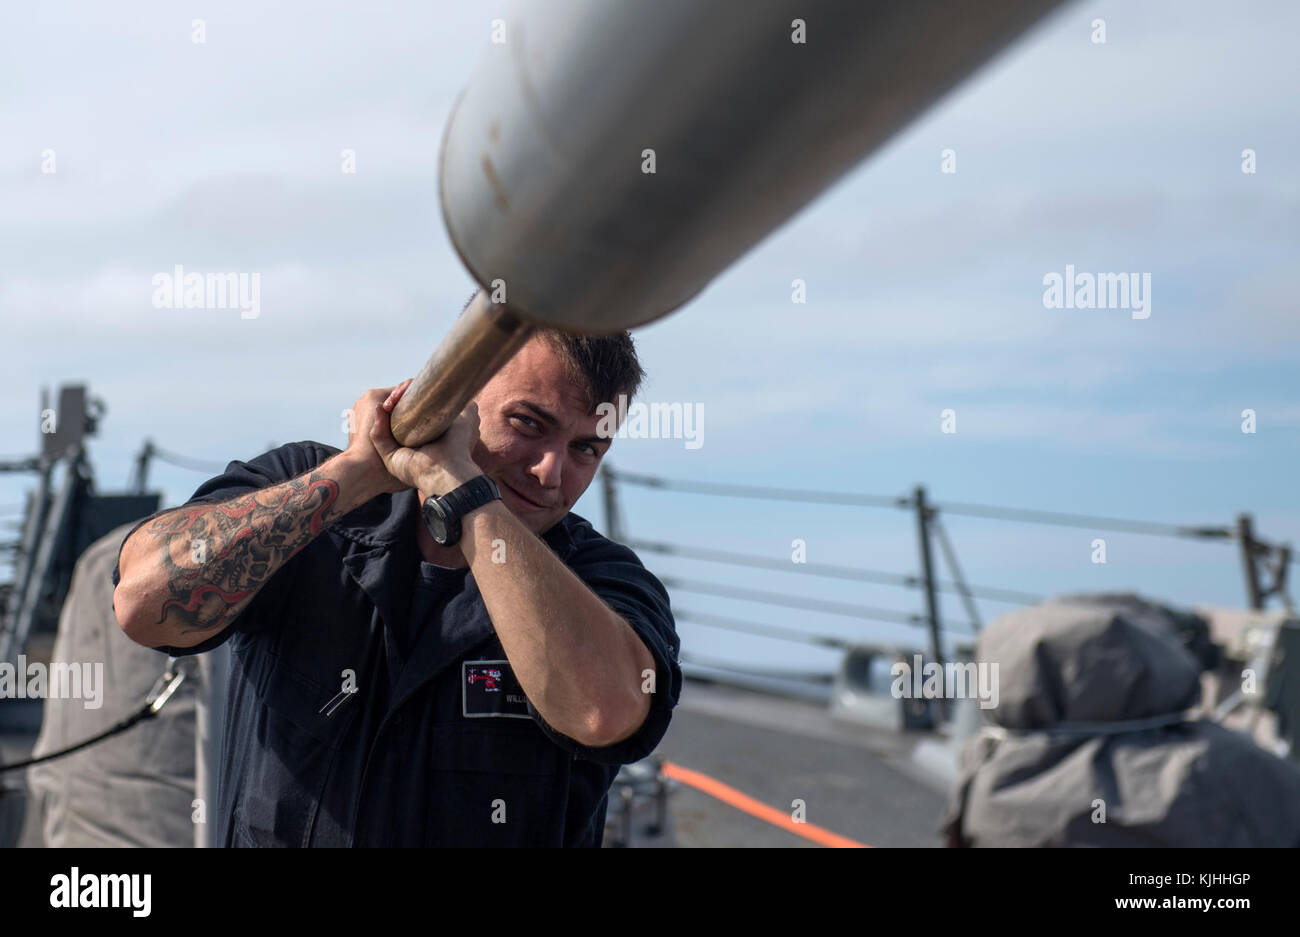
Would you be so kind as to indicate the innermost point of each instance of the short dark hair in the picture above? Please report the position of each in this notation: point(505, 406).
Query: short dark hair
point(605, 365)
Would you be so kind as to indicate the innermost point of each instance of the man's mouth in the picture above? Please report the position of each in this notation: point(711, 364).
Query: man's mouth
point(527, 501)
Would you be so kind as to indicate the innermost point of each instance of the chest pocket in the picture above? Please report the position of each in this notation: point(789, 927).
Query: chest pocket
point(297, 745)
point(488, 777)
point(495, 782)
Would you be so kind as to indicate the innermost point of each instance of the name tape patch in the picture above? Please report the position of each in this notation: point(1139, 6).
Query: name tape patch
point(489, 688)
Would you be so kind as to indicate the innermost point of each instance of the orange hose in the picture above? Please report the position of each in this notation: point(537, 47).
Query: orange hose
point(729, 795)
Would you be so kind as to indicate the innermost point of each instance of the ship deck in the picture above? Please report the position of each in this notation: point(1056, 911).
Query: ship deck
point(859, 782)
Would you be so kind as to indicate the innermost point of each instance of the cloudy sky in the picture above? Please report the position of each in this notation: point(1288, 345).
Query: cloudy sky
point(924, 288)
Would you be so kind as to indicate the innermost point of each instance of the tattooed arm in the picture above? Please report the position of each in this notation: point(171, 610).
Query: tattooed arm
point(187, 574)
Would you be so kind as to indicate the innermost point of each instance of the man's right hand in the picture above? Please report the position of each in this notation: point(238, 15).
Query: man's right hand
point(361, 450)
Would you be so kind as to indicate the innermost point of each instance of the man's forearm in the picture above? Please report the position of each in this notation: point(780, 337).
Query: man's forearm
point(581, 664)
point(189, 573)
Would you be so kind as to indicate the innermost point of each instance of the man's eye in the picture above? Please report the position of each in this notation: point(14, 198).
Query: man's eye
point(531, 422)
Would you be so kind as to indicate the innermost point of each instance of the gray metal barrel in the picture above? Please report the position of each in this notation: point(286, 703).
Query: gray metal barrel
point(546, 181)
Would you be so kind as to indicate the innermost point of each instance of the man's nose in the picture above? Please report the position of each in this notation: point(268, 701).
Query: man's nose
point(547, 469)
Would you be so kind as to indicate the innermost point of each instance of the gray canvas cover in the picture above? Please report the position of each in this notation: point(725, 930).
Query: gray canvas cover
point(1092, 722)
point(133, 789)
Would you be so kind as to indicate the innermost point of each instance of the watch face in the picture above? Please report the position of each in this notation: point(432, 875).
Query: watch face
point(437, 526)
point(439, 530)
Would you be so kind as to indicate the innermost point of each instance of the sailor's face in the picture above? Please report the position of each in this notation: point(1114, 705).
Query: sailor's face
point(537, 436)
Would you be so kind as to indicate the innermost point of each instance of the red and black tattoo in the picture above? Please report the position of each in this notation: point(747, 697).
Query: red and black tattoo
point(221, 554)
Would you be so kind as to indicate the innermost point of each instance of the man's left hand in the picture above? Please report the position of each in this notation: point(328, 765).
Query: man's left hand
point(435, 468)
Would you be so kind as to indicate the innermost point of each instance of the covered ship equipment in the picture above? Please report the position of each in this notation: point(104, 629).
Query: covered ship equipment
point(90, 781)
point(1100, 739)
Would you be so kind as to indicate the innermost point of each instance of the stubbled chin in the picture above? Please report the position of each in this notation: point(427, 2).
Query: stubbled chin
point(537, 523)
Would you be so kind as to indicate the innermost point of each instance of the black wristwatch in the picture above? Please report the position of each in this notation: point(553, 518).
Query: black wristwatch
point(442, 515)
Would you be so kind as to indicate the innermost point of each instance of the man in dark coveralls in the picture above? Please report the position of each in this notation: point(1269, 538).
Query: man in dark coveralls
point(409, 668)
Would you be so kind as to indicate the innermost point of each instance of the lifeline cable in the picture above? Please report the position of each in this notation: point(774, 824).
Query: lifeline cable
point(1121, 525)
point(854, 573)
point(186, 462)
point(870, 613)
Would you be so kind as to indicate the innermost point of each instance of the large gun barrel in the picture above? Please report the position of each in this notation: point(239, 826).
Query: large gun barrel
point(611, 157)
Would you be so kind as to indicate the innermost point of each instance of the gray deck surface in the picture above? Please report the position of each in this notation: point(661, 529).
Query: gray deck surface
point(854, 781)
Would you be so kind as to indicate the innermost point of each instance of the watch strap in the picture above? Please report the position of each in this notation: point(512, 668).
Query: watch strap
point(473, 494)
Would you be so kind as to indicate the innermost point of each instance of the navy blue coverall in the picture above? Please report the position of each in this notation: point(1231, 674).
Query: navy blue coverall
point(439, 746)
